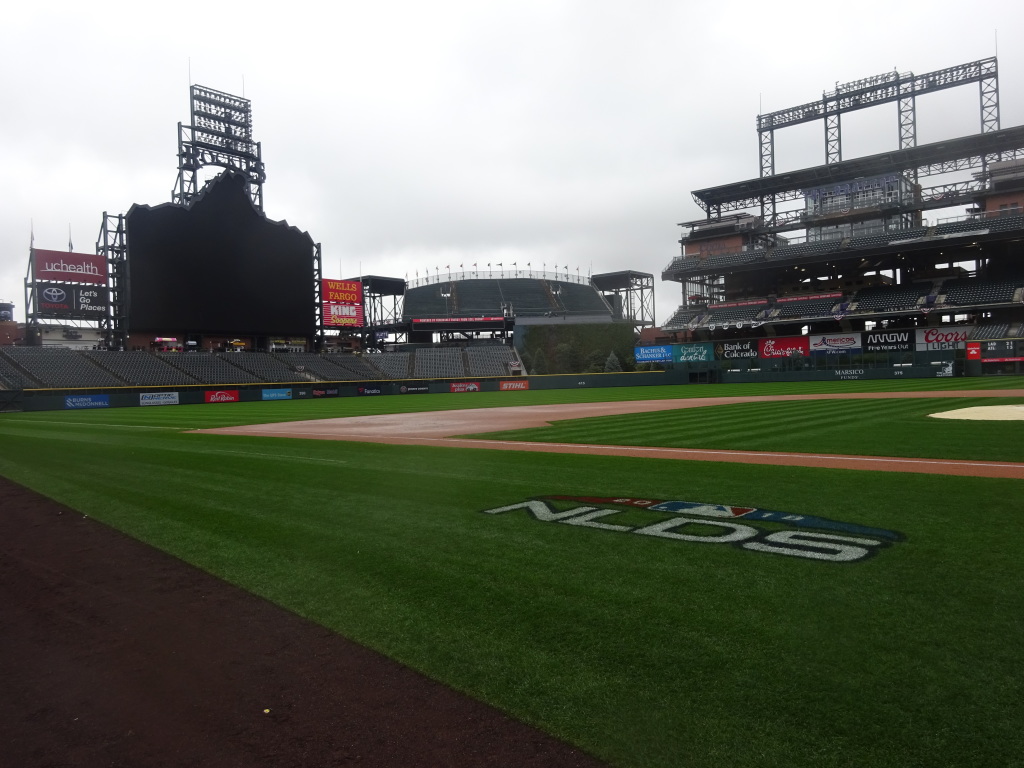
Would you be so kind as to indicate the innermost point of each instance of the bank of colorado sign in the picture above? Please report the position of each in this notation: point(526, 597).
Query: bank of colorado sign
point(735, 350)
point(808, 537)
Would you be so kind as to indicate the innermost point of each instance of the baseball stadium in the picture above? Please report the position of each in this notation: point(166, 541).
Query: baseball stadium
point(256, 515)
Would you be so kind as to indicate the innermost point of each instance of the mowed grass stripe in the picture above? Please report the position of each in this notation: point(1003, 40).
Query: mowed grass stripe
point(886, 427)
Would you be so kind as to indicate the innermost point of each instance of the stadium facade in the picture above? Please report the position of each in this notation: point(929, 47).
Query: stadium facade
point(905, 263)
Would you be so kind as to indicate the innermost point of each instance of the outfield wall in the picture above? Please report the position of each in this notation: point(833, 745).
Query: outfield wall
point(131, 397)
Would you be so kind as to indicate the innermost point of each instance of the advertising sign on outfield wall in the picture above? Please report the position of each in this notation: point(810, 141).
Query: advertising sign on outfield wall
point(87, 401)
point(949, 337)
point(220, 396)
point(413, 389)
point(277, 394)
point(887, 341)
point(662, 354)
point(464, 386)
point(735, 350)
point(158, 398)
point(63, 267)
point(695, 353)
point(831, 343)
point(515, 384)
point(787, 346)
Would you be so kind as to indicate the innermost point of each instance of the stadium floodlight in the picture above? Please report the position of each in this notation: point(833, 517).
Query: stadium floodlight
point(220, 134)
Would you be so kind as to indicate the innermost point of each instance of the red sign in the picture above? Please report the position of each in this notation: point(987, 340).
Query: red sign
point(343, 303)
point(62, 267)
point(789, 346)
point(505, 386)
point(464, 386)
point(974, 350)
point(221, 396)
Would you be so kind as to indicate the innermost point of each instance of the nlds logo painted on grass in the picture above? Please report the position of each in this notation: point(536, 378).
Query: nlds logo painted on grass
point(804, 536)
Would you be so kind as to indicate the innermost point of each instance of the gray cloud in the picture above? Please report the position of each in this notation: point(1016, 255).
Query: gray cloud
point(405, 136)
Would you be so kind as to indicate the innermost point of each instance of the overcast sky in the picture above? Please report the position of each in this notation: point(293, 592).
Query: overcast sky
point(409, 135)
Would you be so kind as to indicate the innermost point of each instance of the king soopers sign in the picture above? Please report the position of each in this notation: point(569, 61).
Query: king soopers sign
point(804, 536)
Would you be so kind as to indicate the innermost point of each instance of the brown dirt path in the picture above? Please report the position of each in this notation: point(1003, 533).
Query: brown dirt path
point(442, 429)
point(115, 654)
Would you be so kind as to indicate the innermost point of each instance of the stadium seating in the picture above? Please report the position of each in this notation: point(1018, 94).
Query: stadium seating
point(889, 298)
point(528, 297)
point(489, 359)
point(393, 365)
point(477, 297)
point(263, 365)
point(139, 368)
point(577, 298)
point(209, 368)
point(428, 301)
point(439, 363)
point(732, 315)
point(991, 331)
point(806, 308)
point(61, 367)
point(12, 378)
point(976, 293)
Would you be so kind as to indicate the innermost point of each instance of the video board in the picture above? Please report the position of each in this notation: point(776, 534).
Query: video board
point(218, 266)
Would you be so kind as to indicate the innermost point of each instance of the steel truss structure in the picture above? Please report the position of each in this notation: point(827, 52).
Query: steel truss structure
point(903, 88)
point(220, 135)
point(633, 292)
point(112, 243)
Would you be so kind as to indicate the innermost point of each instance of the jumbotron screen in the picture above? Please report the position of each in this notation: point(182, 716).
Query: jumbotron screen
point(219, 266)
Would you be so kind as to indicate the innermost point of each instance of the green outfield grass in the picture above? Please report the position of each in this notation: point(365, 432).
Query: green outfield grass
point(645, 651)
point(896, 427)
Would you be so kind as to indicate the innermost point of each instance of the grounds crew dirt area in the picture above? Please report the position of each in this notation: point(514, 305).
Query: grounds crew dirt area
point(115, 654)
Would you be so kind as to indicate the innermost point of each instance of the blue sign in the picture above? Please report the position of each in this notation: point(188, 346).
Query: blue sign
point(277, 394)
point(661, 354)
point(87, 401)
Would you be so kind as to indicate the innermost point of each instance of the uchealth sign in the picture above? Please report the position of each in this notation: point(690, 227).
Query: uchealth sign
point(950, 337)
point(61, 267)
point(787, 346)
point(764, 531)
point(831, 343)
